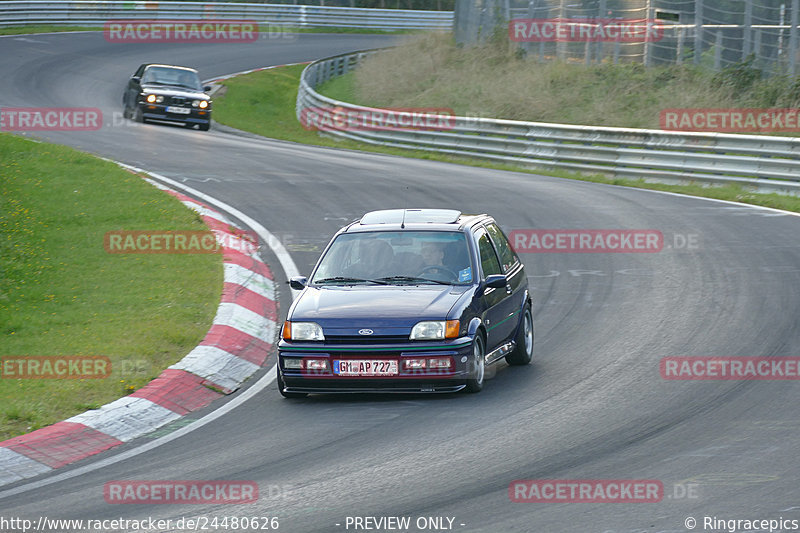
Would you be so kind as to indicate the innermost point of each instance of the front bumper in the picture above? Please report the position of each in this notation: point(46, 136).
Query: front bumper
point(159, 112)
point(405, 381)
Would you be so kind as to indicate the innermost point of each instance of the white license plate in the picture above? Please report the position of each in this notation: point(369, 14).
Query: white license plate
point(178, 110)
point(365, 367)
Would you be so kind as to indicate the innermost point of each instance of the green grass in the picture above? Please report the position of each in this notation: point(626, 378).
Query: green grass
point(264, 103)
point(498, 81)
point(43, 28)
point(62, 294)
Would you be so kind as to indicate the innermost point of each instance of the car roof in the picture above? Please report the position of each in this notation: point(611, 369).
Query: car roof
point(169, 66)
point(415, 219)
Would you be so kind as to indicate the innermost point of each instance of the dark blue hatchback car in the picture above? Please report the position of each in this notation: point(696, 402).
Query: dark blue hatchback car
point(407, 300)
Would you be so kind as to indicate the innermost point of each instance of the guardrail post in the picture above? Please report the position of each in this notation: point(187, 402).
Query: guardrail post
point(698, 30)
point(679, 49)
point(757, 46)
point(718, 51)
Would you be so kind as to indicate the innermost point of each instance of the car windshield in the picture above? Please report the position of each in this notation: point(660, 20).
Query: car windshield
point(396, 258)
point(176, 77)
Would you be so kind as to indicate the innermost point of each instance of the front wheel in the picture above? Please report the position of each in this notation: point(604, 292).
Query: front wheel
point(137, 115)
point(204, 127)
point(523, 349)
point(281, 385)
point(475, 384)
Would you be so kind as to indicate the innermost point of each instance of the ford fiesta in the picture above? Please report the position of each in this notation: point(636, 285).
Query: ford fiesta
point(407, 300)
point(167, 93)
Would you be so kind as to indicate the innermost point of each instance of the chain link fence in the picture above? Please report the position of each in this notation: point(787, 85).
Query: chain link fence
point(715, 33)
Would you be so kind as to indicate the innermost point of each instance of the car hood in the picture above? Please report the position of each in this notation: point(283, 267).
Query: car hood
point(166, 90)
point(388, 310)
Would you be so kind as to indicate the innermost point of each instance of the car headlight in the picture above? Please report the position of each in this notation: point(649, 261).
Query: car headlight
point(203, 104)
point(431, 330)
point(151, 98)
point(302, 331)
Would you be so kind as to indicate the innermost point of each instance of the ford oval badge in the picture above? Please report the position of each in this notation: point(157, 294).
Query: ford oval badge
point(365, 332)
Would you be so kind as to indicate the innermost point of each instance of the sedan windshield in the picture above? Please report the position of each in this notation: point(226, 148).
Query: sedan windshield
point(175, 77)
point(396, 258)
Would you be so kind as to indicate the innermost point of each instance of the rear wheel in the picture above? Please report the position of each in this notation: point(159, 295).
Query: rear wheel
point(523, 351)
point(281, 385)
point(475, 384)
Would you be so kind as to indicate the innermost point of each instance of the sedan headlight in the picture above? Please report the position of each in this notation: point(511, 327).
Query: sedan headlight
point(151, 98)
point(431, 330)
point(302, 331)
point(203, 104)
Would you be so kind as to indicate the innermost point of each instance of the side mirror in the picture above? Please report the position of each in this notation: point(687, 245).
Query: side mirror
point(137, 79)
point(207, 88)
point(496, 281)
point(298, 283)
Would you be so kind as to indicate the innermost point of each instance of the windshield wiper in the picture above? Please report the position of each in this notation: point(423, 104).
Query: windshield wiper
point(345, 279)
point(412, 279)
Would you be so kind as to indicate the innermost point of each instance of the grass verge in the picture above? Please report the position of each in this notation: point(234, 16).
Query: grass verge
point(264, 103)
point(61, 294)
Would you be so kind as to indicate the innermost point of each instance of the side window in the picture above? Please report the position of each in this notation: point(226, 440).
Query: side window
point(507, 257)
point(140, 70)
point(489, 262)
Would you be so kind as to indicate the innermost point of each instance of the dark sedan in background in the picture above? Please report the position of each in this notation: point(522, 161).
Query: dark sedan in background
point(407, 300)
point(167, 93)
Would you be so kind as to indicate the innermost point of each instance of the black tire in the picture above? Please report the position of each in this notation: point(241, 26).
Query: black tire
point(137, 115)
point(475, 384)
point(204, 127)
point(523, 351)
point(126, 113)
point(281, 385)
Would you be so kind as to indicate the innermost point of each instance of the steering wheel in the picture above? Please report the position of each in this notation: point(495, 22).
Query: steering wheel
point(438, 268)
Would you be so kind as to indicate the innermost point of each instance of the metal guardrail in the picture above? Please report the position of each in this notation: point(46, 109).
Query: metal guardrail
point(89, 13)
point(768, 163)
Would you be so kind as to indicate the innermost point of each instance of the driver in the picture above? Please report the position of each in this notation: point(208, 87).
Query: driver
point(433, 256)
point(186, 79)
point(432, 253)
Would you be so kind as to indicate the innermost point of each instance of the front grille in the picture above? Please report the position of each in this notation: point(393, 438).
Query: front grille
point(178, 100)
point(366, 339)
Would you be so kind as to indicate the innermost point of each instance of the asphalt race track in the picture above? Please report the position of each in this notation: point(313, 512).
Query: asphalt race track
point(592, 406)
